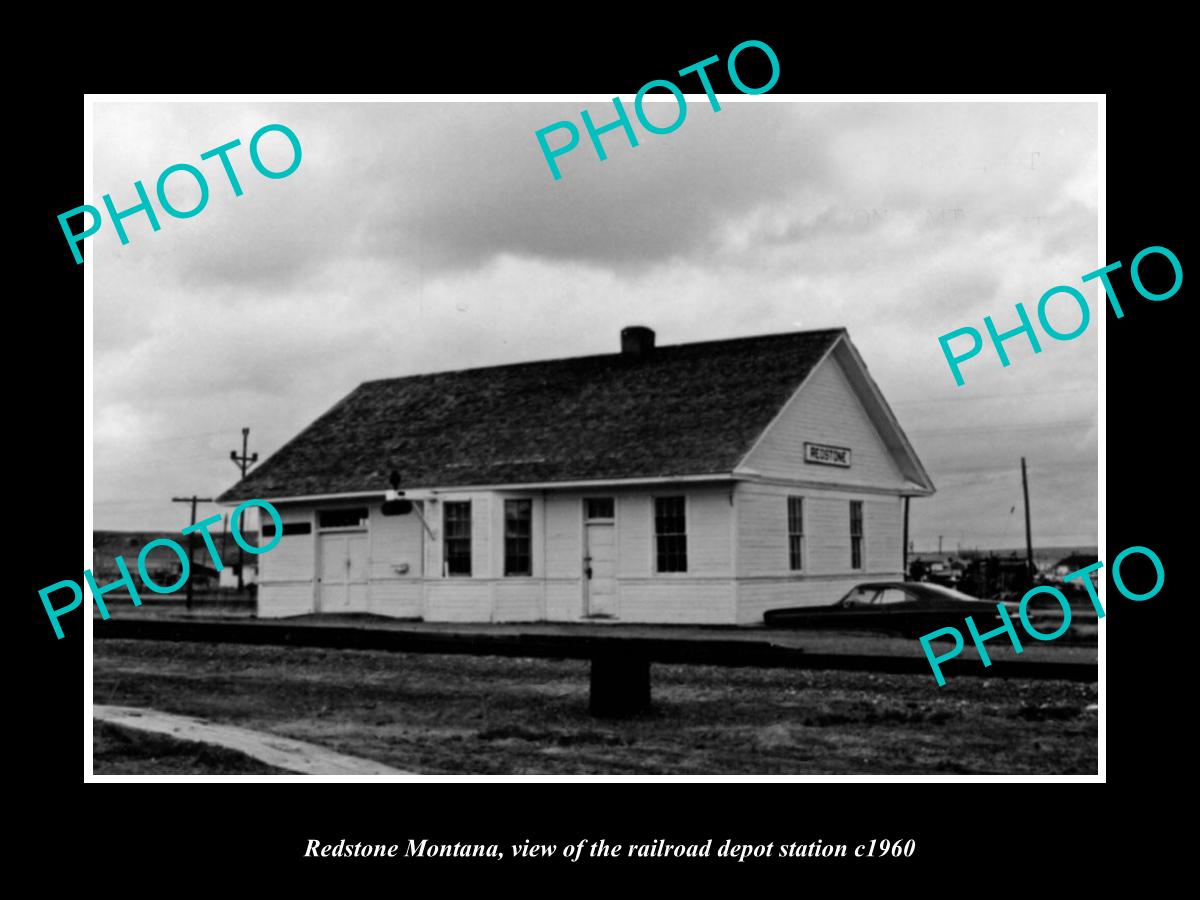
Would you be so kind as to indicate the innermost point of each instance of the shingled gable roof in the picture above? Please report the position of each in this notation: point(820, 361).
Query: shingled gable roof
point(688, 409)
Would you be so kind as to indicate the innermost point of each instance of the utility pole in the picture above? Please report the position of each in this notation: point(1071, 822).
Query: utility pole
point(243, 462)
point(939, 545)
point(191, 538)
point(1028, 531)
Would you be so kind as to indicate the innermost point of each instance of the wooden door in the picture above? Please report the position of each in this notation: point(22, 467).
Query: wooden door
point(600, 569)
point(345, 572)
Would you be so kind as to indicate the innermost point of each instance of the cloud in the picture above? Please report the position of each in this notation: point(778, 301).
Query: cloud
point(421, 237)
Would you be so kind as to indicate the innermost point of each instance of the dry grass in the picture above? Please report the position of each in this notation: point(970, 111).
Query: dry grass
point(126, 751)
point(465, 714)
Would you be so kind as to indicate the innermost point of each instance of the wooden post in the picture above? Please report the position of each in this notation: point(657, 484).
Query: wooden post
point(243, 462)
point(620, 686)
point(193, 500)
point(1028, 530)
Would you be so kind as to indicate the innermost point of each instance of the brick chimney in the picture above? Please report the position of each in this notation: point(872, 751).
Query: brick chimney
point(637, 340)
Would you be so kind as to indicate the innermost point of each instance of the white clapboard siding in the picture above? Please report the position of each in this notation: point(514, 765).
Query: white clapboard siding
point(763, 536)
point(763, 554)
point(635, 534)
point(482, 545)
point(458, 599)
point(284, 598)
point(294, 557)
point(519, 600)
point(677, 600)
point(884, 524)
point(564, 535)
point(827, 534)
point(564, 600)
point(752, 530)
point(762, 529)
point(287, 572)
point(825, 410)
point(401, 599)
point(710, 531)
point(395, 540)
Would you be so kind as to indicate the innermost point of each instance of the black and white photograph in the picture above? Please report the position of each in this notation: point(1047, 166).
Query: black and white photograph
point(427, 445)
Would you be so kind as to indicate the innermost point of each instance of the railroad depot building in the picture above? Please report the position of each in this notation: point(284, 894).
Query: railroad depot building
point(696, 483)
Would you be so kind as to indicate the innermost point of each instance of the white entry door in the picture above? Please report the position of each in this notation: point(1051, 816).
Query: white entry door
point(600, 569)
point(344, 572)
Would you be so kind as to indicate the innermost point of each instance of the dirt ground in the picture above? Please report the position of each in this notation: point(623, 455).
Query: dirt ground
point(466, 714)
point(124, 751)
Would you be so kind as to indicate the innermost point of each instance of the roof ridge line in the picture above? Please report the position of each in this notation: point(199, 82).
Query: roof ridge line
point(615, 355)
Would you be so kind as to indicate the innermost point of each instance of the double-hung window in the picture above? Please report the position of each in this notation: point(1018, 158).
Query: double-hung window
point(456, 528)
point(856, 534)
point(795, 512)
point(670, 534)
point(518, 537)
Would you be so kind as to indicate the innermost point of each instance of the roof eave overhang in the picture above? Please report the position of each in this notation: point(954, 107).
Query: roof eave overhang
point(584, 484)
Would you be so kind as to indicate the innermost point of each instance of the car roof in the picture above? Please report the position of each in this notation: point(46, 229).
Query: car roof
point(919, 587)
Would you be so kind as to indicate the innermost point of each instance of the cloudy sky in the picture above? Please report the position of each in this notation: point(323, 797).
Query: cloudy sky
point(419, 237)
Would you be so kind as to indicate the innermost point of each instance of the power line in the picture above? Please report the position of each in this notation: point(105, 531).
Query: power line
point(1053, 464)
point(182, 460)
point(1052, 427)
point(177, 437)
point(1019, 396)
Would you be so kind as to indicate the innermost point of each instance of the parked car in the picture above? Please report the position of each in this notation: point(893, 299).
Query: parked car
point(909, 607)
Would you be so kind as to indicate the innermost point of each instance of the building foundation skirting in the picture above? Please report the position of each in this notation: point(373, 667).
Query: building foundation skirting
point(665, 600)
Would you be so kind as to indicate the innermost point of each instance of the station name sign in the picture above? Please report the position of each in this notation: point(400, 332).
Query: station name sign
point(825, 455)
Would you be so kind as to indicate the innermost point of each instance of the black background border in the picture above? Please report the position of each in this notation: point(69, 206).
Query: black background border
point(257, 834)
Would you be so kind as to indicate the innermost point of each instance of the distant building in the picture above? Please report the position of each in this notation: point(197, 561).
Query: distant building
point(163, 565)
point(699, 483)
point(1074, 563)
point(229, 576)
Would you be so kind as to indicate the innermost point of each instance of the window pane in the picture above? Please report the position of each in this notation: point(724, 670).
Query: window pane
point(796, 533)
point(891, 595)
point(355, 517)
point(518, 531)
point(859, 597)
point(599, 507)
point(670, 534)
point(456, 530)
point(856, 530)
point(288, 528)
